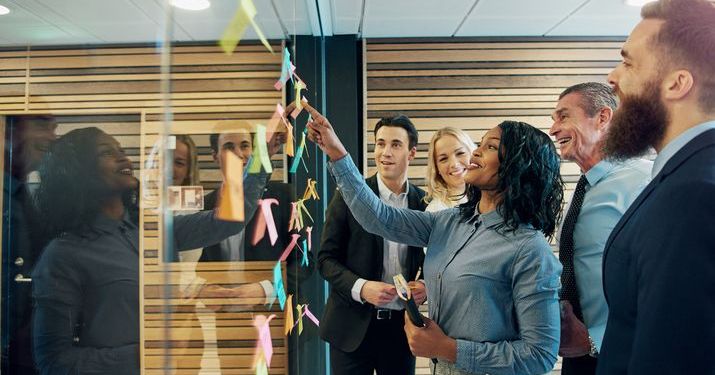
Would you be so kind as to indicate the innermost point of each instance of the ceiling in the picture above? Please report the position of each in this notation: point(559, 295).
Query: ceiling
point(58, 22)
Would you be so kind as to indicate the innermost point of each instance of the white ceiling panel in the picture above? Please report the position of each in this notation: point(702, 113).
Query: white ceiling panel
point(602, 17)
point(516, 17)
point(405, 18)
point(346, 16)
point(50, 22)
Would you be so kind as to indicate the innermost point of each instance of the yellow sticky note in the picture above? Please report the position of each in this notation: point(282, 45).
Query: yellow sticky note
point(300, 318)
point(230, 207)
point(244, 16)
point(289, 315)
point(310, 191)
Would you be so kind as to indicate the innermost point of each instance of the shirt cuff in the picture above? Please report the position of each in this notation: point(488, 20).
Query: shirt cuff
point(357, 287)
point(341, 166)
point(269, 291)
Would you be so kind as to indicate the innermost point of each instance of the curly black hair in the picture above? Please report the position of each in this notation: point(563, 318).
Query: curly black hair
point(71, 192)
point(529, 180)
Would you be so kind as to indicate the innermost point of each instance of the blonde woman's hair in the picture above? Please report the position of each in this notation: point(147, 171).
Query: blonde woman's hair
point(436, 186)
point(192, 178)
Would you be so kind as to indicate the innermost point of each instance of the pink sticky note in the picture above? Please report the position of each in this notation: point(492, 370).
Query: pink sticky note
point(266, 222)
point(289, 248)
point(295, 217)
point(264, 335)
point(308, 233)
point(310, 315)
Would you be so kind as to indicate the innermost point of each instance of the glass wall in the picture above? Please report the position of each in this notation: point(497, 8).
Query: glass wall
point(160, 212)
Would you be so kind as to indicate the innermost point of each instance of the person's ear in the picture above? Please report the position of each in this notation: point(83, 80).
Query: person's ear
point(677, 85)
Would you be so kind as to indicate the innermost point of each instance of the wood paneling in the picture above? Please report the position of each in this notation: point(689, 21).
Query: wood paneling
point(475, 85)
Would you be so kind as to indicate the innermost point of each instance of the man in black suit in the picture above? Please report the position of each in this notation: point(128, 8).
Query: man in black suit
point(239, 246)
point(363, 319)
point(659, 260)
point(27, 140)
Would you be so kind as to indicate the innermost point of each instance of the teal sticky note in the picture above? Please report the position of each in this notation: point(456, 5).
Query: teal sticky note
point(278, 285)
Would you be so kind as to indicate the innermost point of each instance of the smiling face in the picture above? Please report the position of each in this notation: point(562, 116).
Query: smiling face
point(181, 163)
point(451, 158)
point(483, 169)
point(577, 134)
point(392, 153)
point(32, 137)
point(241, 144)
point(642, 117)
point(113, 166)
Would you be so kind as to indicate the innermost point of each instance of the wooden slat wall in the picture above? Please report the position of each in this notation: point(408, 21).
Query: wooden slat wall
point(474, 85)
point(118, 90)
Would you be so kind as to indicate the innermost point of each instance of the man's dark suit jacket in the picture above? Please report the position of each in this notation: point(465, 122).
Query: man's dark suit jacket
point(348, 252)
point(658, 272)
point(263, 250)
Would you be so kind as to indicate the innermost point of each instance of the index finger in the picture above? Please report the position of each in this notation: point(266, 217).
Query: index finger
point(313, 112)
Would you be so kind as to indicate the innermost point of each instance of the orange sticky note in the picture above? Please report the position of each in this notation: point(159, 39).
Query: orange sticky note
point(289, 322)
point(230, 207)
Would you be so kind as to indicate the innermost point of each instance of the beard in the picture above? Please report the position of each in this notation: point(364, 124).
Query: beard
point(638, 124)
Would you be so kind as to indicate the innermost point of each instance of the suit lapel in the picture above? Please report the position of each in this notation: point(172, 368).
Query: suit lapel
point(698, 143)
point(378, 242)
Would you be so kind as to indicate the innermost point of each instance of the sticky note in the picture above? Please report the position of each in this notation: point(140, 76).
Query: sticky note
point(265, 221)
point(289, 248)
point(244, 16)
point(230, 207)
point(278, 285)
point(287, 69)
point(304, 261)
point(310, 315)
point(265, 345)
point(298, 155)
point(260, 152)
point(310, 191)
point(309, 234)
point(288, 327)
point(300, 318)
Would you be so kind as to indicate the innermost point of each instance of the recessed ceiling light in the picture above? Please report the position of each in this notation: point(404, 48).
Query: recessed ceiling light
point(4, 10)
point(191, 4)
point(638, 3)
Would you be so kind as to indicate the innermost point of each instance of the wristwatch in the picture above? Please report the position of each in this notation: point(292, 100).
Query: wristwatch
point(593, 351)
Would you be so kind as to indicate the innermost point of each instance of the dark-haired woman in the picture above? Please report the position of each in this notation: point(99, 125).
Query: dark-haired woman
point(492, 280)
point(86, 285)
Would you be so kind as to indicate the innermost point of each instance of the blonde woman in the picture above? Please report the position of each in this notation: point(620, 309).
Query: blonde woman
point(447, 161)
point(186, 166)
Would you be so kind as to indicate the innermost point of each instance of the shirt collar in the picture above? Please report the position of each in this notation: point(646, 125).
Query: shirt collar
point(490, 219)
point(598, 172)
point(386, 193)
point(109, 225)
point(676, 144)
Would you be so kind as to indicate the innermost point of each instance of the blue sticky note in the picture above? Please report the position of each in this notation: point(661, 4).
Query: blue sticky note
point(278, 285)
point(304, 262)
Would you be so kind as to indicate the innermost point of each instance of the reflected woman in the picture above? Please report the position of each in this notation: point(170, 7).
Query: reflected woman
point(86, 285)
point(492, 280)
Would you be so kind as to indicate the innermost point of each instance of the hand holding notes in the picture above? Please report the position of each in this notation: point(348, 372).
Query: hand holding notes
point(321, 133)
point(378, 293)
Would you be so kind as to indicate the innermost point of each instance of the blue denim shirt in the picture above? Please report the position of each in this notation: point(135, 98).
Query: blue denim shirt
point(494, 291)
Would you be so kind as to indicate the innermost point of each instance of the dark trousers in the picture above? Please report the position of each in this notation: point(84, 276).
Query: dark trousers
point(585, 365)
point(384, 349)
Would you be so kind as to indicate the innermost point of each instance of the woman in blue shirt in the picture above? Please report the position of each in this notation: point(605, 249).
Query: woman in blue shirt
point(491, 277)
point(86, 284)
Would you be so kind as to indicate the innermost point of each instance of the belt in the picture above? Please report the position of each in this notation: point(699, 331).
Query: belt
point(384, 314)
